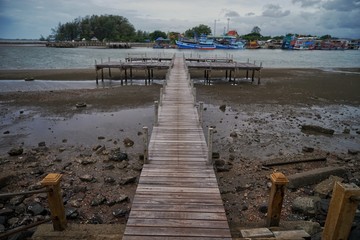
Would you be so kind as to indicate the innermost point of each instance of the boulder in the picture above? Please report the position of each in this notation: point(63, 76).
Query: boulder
point(324, 188)
point(118, 156)
point(317, 129)
point(16, 151)
point(306, 205)
point(128, 142)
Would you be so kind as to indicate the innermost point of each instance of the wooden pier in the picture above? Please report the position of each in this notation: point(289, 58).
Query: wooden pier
point(177, 195)
point(149, 64)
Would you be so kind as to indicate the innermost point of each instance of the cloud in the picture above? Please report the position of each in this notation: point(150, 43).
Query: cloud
point(342, 5)
point(250, 14)
point(274, 11)
point(232, 14)
point(306, 3)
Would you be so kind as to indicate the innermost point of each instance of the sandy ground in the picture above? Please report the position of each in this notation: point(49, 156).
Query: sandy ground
point(266, 118)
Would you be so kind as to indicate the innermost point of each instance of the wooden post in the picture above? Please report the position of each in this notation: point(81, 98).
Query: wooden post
point(276, 199)
point(161, 96)
point(194, 93)
point(210, 140)
point(146, 145)
point(343, 205)
point(201, 109)
point(259, 73)
point(253, 75)
point(156, 122)
point(102, 75)
point(126, 76)
point(56, 205)
point(109, 68)
point(96, 70)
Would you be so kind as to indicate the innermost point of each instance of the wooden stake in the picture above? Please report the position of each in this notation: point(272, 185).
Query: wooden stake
point(210, 140)
point(146, 145)
point(156, 122)
point(56, 205)
point(201, 109)
point(161, 96)
point(343, 205)
point(276, 199)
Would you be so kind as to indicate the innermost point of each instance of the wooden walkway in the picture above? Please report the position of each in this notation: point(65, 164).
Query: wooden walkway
point(177, 196)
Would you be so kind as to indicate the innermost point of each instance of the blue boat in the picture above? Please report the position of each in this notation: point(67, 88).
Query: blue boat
point(195, 45)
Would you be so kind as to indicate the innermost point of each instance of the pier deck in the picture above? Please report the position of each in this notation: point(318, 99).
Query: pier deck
point(177, 195)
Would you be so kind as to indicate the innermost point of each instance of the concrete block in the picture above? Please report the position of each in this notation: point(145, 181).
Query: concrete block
point(293, 234)
point(314, 176)
point(256, 233)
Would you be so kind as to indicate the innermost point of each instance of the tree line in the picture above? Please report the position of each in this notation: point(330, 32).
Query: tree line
point(118, 28)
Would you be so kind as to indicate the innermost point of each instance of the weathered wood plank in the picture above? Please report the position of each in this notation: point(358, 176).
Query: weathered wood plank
point(177, 223)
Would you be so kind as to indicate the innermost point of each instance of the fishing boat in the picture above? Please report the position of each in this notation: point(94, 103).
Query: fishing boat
point(201, 44)
point(228, 42)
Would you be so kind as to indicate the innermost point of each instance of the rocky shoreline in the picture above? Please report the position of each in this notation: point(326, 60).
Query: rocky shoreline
point(288, 118)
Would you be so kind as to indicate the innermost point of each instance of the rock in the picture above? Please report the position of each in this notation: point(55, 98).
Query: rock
point(36, 209)
point(78, 189)
point(71, 213)
point(6, 211)
point(263, 208)
point(109, 180)
point(101, 137)
point(215, 155)
point(2, 220)
point(108, 166)
point(100, 150)
point(5, 178)
point(244, 207)
point(2, 228)
point(317, 129)
point(128, 142)
point(41, 144)
point(120, 199)
point(308, 226)
point(222, 108)
point(95, 219)
point(16, 151)
point(6, 132)
point(120, 213)
point(306, 205)
point(219, 162)
point(118, 156)
point(98, 200)
point(224, 168)
point(233, 135)
point(308, 149)
point(355, 233)
point(13, 221)
point(87, 161)
point(324, 188)
point(87, 178)
point(128, 180)
point(353, 151)
point(346, 131)
point(17, 200)
point(314, 176)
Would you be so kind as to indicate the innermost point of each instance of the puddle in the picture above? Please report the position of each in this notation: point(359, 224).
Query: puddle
point(82, 128)
point(52, 85)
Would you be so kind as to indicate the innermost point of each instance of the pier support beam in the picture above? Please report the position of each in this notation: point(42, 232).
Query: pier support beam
point(342, 209)
point(156, 106)
point(276, 199)
point(146, 145)
point(210, 144)
point(201, 110)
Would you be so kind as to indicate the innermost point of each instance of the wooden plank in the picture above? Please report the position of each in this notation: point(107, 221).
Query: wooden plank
point(172, 231)
point(177, 215)
point(177, 223)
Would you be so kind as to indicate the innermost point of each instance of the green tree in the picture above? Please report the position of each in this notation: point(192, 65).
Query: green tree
point(256, 30)
point(199, 30)
point(156, 34)
point(325, 37)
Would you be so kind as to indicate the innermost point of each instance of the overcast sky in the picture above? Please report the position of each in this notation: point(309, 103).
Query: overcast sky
point(339, 18)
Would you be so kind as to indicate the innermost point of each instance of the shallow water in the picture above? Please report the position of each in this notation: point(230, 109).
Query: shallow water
point(13, 57)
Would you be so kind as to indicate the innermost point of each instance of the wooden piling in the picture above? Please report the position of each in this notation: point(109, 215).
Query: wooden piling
point(201, 110)
point(156, 121)
point(341, 213)
point(276, 199)
point(210, 144)
point(161, 96)
point(146, 145)
point(56, 205)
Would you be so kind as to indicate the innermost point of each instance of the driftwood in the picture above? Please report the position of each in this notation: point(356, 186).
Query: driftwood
point(292, 161)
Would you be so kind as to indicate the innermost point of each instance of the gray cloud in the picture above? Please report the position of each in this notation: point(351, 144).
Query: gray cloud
point(232, 14)
point(306, 3)
point(342, 5)
point(275, 11)
point(250, 14)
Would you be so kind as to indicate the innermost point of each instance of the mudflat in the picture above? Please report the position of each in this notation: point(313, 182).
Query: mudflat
point(253, 124)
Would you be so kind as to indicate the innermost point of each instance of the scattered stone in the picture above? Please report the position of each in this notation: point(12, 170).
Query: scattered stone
point(308, 226)
point(6, 132)
point(219, 162)
point(98, 200)
point(231, 157)
point(120, 213)
point(71, 213)
point(16, 151)
point(5, 178)
point(346, 131)
point(87, 161)
point(78, 189)
point(80, 105)
point(101, 137)
point(120, 199)
point(17, 200)
point(353, 151)
point(64, 140)
point(108, 166)
point(222, 108)
point(100, 150)
point(118, 156)
point(2, 228)
point(87, 178)
point(215, 155)
point(36, 209)
point(306, 205)
point(6, 211)
point(128, 142)
point(41, 144)
point(263, 208)
point(128, 180)
point(12, 221)
point(95, 219)
point(139, 133)
point(324, 188)
point(317, 129)
point(314, 176)
point(244, 207)
point(109, 180)
point(233, 134)
point(224, 168)
point(308, 149)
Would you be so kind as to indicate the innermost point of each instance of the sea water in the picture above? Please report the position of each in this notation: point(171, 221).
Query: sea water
point(15, 57)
